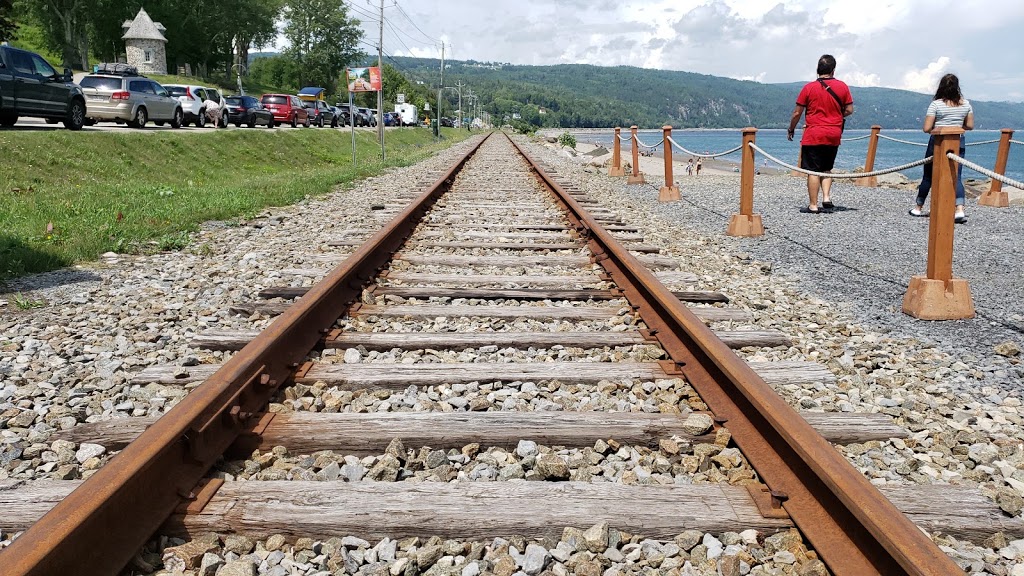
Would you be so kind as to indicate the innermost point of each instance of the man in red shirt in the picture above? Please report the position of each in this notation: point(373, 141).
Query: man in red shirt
point(827, 102)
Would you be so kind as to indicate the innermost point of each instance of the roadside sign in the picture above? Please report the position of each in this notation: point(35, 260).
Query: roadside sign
point(400, 99)
point(426, 107)
point(363, 79)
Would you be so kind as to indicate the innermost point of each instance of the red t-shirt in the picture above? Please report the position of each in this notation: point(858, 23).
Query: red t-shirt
point(824, 115)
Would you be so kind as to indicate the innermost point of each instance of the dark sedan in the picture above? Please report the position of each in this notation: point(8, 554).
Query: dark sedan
point(248, 110)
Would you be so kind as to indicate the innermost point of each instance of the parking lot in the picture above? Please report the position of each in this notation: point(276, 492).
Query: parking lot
point(38, 124)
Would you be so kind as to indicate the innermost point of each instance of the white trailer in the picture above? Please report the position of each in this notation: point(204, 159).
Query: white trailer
point(408, 113)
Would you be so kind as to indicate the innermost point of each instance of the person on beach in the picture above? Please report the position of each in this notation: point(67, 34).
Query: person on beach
point(949, 108)
point(689, 167)
point(826, 102)
point(697, 166)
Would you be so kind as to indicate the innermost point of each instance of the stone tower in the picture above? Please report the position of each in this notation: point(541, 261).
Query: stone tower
point(145, 44)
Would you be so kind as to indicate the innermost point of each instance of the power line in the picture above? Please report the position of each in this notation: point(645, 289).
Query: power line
point(397, 32)
point(413, 22)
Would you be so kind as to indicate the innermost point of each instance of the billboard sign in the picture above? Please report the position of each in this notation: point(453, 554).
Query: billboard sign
point(363, 79)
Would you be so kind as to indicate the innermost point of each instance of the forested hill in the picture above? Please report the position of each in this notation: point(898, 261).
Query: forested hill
point(578, 96)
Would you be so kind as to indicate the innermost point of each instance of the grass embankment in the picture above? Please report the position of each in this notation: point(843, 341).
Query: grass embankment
point(140, 192)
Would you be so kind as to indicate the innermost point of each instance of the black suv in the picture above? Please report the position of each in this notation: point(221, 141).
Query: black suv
point(29, 86)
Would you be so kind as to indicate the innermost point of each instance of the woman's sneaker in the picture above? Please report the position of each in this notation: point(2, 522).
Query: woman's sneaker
point(917, 212)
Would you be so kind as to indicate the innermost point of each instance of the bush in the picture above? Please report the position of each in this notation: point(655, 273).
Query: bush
point(567, 139)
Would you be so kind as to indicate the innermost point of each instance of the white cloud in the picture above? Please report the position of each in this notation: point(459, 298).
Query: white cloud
point(927, 78)
point(890, 43)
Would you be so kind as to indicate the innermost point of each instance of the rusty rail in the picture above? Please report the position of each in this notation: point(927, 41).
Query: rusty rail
point(852, 526)
point(100, 526)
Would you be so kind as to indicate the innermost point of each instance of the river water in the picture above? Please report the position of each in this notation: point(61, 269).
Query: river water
point(851, 154)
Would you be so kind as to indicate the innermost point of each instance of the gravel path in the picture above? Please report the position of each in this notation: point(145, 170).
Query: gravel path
point(861, 257)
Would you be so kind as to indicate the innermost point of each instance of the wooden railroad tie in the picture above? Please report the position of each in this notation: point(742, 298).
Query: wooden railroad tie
point(474, 510)
point(401, 376)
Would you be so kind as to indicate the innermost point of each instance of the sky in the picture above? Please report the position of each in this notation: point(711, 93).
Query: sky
point(907, 44)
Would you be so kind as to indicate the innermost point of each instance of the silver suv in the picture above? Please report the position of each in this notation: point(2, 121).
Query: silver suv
point(123, 95)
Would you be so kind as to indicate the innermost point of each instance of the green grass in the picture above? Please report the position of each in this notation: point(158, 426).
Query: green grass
point(140, 192)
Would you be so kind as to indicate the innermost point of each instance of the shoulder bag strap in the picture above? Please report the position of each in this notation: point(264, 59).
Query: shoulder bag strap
point(842, 108)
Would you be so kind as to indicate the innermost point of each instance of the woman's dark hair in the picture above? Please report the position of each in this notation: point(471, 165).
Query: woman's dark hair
point(949, 90)
point(826, 65)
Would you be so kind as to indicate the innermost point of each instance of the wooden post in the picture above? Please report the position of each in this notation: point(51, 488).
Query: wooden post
point(635, 177)
point(746, 223)
point(616, 168)
point(799, 160)
point(995, 196)
point(938, 295)
point(869, 163)
point(669, 192)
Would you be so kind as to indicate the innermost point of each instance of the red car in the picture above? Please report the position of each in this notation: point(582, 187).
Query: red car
point(286, 109)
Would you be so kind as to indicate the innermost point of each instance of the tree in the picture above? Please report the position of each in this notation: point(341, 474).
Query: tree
point(278, 70)
point(65, 24)
point(322, 40)
point(252, 24)
point(7, 25)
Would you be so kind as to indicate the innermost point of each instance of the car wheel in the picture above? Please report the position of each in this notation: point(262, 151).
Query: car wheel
point(238, 124)
point(223, 119)
point(251, 123)
point(320, 124)
point(201, 119)
point(179, 118)
point(270, 123)
point(308, 123)
point(334, 122)
point(141, 118)
point(295, 121)
point(8, 119)
point(76, 116)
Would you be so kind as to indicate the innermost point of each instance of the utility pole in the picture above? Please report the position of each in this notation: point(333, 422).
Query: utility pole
point(440, 89)
point(459, 86)
point(380, 93)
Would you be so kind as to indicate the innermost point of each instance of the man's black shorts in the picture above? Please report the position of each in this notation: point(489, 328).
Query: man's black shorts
point(819, 158)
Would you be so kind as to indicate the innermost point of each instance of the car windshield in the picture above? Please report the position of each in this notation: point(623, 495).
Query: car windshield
point(100, 83)
point(233, 101)
point(275, 99)
point(176, 90)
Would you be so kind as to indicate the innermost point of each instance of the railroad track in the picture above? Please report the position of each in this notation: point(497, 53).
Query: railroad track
point(502, 326)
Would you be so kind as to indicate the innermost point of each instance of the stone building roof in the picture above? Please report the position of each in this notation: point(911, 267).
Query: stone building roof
point(143, 28)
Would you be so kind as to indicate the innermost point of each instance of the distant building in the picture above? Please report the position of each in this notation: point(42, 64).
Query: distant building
point(145, 44)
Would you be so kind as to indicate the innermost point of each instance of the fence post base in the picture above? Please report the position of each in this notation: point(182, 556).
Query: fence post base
point(999, 199)
point(616, 171)
point(636, 179)
point(866, 182)
point(745, 225)
point(669, 194)
point(930, 299)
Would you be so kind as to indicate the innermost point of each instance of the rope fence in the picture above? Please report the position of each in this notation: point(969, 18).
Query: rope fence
point(699, 155)
point(642, 145)
point(1017, 142)
point(923, 145)
point(982, 143)
point(982, 170)
point(850, 176)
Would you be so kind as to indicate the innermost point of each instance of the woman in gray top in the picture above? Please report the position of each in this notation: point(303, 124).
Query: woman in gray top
point(949, 108)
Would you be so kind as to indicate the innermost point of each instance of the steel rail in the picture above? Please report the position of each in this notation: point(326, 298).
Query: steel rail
point(100, 526)
point(852, 526)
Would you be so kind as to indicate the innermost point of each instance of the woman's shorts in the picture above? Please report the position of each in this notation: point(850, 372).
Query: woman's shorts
point(819, 158)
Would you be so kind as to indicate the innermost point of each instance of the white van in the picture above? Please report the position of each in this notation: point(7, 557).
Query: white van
point(408, 113)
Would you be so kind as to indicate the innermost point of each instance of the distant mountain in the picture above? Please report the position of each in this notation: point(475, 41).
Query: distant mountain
point(585, 96)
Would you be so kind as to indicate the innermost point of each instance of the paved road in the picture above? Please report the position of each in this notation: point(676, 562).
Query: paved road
point(38, 124)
